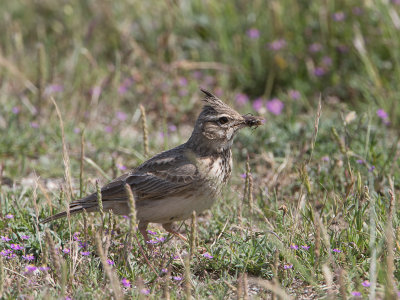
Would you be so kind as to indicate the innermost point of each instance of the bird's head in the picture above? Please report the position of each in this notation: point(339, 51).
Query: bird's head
point(218, 123)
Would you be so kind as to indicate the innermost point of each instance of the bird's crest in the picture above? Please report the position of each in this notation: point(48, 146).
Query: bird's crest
point(213, 102)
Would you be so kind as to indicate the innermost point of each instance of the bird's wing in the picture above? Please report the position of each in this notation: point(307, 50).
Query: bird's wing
point(165, 174)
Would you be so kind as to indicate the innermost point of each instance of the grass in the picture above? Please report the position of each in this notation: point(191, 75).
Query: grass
point(324, 220)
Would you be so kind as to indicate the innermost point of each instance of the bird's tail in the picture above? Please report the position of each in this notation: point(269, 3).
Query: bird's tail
point(74, 208)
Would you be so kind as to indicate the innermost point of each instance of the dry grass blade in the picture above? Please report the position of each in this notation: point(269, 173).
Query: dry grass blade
point(145, 131)
point(65, 151)
point(271, 286)
point(116, 289)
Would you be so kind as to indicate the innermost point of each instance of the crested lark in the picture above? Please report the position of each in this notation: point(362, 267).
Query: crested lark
point(174, 183)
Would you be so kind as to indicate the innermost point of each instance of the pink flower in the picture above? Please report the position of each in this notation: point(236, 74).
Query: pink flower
point(28, 257)
point(108, 129)
point(339, 16)
point(294, 94)
point(275, 106)
point(287, 267)
point(253, 33)
point(207, 255)
point(182, 81)
point(177, 278)
point(85, 253)
point(121, 115)
point(110, 262)
point(315, 47)
point(66, 250)
point(242, 99)
point(151, 232)
point(44, 268)
point(325, 158)
point(145, 291)
point(356, 294)
point(25, 237)
point(383, 115)
point(5, 238)
point(121, 167)
point(34, 125)
point(16, 247)
point(366, 283)
point(9, 216)
point(258, 104)
point(15, 110)
point(336, 250)
point(126, 283)
point(30, 268)
point(305, 247)
point(277, 45)
point(164, 270)
point(294, 246)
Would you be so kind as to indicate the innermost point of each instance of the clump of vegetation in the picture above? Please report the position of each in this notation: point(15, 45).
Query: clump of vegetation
point(310, 210)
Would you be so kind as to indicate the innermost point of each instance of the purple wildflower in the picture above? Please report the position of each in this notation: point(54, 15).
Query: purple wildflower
point(172, 128)
point(160, 239)
point(318, 71)
point(356, 294)
point(207, 255)
point(327, 61)
point(383, 115)
point(152, 242)
point(305, 247)
point(294, 95)
point(5, 238)
point(5, 252)
point(182, 81)
point(125, 217)
point(96, 91)
point(125, 85)
point(145, 291)
point(243, 175)
point(126, 283)
point(315, 47)
point(121, 167)
point(357, 11)
point(336, 250)
point(75, 236)
point(108, 129)
point(30, 268)
point(287, 267)
point(253, 33)
point(242, 99)
point(110, 262)
point(360, 161)
point(66, 250)
point(16, 247)
point(164, 270)
point(371, 169)
point(82, 244)
point(44, 268)
point(28, 257)
point(53, 88)
point(325, 158)
point(177, 278)
point(197, 74)
point(34, 125)
point(294, 246)
point(277, 45)
point(366, 283)
point(85, 253)
point(151, 232)
point(275, 106)
point(9, 216)
point(121, 116)
point(77, 130)
point(258, 104)
point(339, 16)
point(15, 110)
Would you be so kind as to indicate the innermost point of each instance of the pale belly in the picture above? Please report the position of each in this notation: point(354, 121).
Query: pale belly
point(175, 208)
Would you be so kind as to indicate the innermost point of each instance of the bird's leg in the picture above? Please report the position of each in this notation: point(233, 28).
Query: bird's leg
point(143, 230)
point(168, 228)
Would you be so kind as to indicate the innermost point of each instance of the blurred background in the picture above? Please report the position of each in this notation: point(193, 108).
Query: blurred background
point(100, 59)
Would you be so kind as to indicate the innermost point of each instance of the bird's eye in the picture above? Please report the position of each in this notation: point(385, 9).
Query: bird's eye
point(223, 120)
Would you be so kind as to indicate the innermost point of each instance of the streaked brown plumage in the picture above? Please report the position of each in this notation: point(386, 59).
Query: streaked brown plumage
point(174, 183)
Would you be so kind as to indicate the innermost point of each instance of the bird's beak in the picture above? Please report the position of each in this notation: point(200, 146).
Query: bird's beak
point(252, 121)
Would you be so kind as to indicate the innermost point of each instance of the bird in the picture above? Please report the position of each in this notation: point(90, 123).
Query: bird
point(171, 185)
